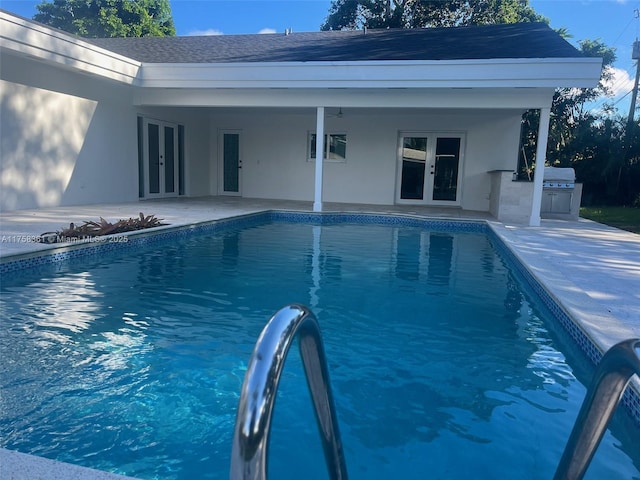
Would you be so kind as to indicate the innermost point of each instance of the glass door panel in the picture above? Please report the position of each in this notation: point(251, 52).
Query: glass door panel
point(160, 152)
point(169, 160)
point(429, 168)
point(414, 161)
point(231, 163)
point(445, 169)
point(153, 161)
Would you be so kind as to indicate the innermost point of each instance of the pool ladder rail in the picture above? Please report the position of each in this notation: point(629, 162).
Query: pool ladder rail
point(610, 380)
point(257, 399)
point(258, 395)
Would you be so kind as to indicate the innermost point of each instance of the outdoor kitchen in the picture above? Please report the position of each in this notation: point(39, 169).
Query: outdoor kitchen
point(511, 198)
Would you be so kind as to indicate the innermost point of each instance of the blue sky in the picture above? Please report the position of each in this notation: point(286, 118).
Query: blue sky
point(612, 21)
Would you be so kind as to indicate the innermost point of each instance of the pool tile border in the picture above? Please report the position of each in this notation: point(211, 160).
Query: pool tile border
point(139, 239)
point(124, 242)
point(631, 398)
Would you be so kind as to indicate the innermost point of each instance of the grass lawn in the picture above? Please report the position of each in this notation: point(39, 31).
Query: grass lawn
point(625, 218)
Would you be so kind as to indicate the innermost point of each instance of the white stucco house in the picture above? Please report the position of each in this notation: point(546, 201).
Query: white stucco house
point(426, 116)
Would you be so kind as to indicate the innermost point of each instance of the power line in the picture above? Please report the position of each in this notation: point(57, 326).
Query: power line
point(621, 98)
point(614, 87)
point(625, 29)
point(599, 105)
point(620, 81)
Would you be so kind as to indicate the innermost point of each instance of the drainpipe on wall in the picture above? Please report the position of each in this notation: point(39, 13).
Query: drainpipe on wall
point(541, 155)
point(317, 199)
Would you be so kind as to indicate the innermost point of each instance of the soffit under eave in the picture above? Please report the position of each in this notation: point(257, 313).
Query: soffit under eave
point(491, 98)
point(487, 73)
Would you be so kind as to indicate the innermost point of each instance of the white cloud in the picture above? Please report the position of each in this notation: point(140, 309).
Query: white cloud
point(267, 30)
point(621, 83)
point(210, 31)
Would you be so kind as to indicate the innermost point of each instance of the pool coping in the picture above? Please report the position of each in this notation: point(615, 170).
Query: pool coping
point(584, 319)
point(593, 329)
point(21, 466)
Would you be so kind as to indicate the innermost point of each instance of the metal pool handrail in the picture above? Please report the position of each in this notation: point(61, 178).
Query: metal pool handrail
point(258, 395)
point(611, 378)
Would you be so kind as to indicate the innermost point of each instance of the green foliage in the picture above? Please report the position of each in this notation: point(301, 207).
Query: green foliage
point(354, 14)
point(108, 18)
point(91, 229)
point(625, 218)
point(598, 145)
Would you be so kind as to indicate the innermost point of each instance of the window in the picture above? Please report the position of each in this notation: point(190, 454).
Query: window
point(335, 147)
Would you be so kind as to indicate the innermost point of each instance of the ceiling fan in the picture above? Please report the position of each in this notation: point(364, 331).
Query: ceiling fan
point(339, 114)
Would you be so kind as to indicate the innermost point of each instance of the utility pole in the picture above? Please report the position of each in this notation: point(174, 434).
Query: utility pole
point(631, 124)
point(636, 56)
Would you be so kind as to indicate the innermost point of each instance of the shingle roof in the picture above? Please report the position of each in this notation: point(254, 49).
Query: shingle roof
point(522, 40)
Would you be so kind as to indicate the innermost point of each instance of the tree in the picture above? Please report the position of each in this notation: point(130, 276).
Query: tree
point(589, 141)
point(570, 110)
point(354, 14)
point(597, 144)
point(108, 18)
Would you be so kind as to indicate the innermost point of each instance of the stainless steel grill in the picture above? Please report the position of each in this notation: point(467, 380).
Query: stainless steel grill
point(556, 184)
point(557, 190)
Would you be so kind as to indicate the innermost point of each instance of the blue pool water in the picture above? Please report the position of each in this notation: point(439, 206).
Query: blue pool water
point(443, 363)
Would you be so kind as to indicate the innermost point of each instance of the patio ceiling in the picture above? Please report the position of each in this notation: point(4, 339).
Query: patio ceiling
point(417, 98)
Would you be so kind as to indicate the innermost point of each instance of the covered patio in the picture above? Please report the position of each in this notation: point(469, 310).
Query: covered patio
point(424, 117)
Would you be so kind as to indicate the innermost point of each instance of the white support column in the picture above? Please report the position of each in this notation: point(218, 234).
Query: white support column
point(317, 199)
point(541, 156)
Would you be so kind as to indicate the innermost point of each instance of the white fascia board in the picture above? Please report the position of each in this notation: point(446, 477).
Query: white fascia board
point(23, 37)
point(500, 73)
point(489, 98)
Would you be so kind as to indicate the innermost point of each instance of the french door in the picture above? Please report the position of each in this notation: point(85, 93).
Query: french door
point(230, 162)
point(429, 168)
point(160, 149)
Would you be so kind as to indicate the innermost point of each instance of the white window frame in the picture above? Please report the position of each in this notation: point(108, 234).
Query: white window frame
point(311, 152)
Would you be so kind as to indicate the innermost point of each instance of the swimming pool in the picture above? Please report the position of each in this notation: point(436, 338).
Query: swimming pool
point(442, 360)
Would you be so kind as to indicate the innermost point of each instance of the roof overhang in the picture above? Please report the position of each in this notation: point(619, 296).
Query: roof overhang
point(493, 73)
point(477, 82)
point(22, 37)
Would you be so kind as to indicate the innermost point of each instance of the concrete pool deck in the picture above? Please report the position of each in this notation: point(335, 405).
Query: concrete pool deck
point(591, 270)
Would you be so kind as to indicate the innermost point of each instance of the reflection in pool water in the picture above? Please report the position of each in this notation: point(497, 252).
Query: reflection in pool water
point(443, 364)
